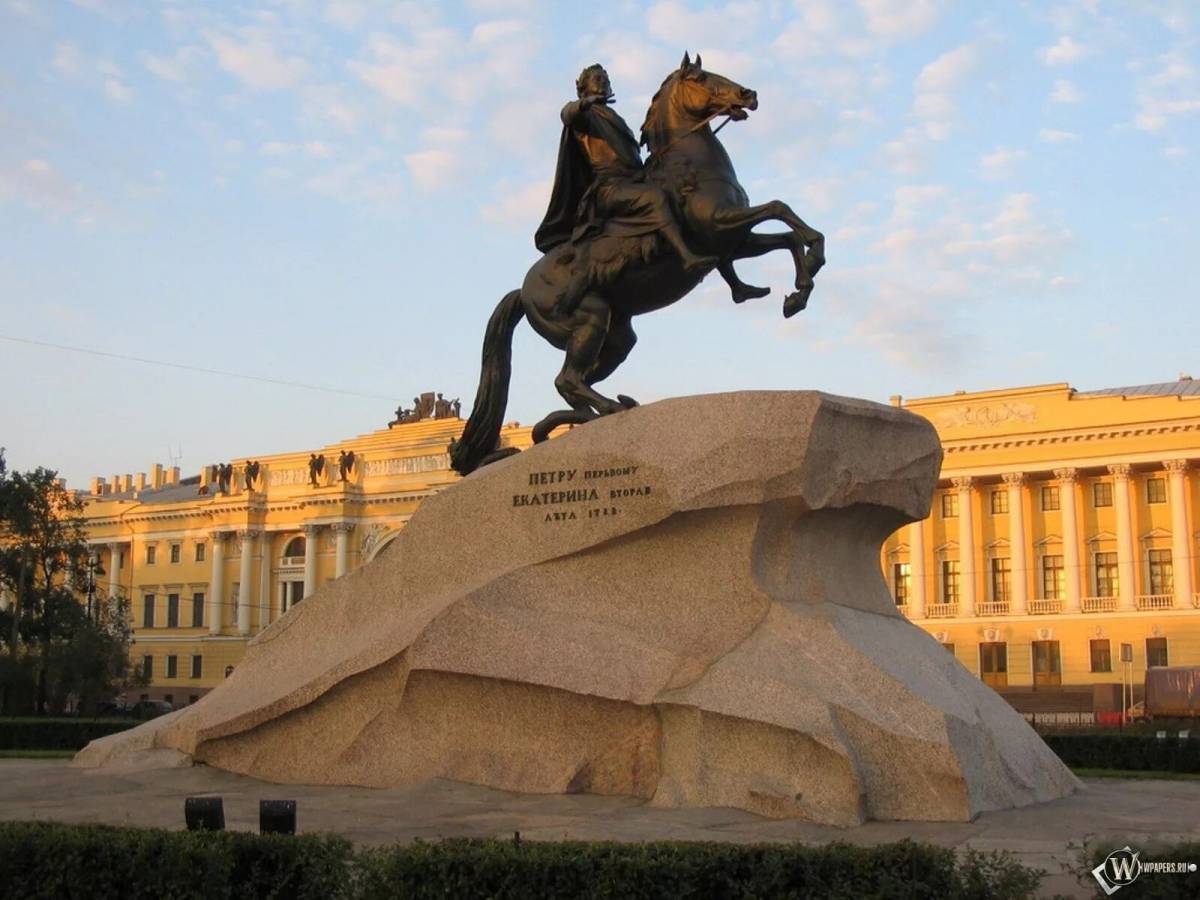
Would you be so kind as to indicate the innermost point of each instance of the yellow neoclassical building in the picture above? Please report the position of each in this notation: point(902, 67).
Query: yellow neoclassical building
point(1063, 526)
point(209, 561)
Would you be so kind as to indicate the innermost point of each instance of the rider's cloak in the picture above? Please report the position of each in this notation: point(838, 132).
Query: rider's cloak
point(573, 175)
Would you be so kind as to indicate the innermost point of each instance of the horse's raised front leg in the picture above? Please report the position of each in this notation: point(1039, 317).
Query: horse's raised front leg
point(807, 245)
point(739, 289)
point(760, 244)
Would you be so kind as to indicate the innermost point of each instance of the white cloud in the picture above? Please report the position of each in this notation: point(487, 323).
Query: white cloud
point(257, 63)
point(697, 28)
point(1175, 152)
point(345, 14)
point(434, 168)
point(67, 58)
point(116, 90)
point(318, 150)
point(1065, 52)
point(173, 67)
point(497, 31)
point(1054, 136)
point(1000, 161)
point(936, 84)
point(406, 73)
point(1065, 92)
point(520, 208)
point(1173, 90)
point(898, 19)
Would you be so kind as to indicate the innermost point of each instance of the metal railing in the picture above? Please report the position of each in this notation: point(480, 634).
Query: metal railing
point(904, 609)
point(1000, 608)
point(1045, 607)
point(941, 610)
point(1098, 604)
point(291, 560)
point(1155, 601)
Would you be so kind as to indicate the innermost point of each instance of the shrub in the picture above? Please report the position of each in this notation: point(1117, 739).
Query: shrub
point(35, 733)
point(1126, 751)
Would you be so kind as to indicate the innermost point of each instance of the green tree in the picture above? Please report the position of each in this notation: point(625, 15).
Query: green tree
point(59, 652)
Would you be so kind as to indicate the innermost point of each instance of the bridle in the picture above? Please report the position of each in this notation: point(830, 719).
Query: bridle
point(679, 137)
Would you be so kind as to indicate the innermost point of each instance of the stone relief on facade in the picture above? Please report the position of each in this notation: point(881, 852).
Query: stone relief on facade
point(986, 414)
point(405, 465)
point(282, 477)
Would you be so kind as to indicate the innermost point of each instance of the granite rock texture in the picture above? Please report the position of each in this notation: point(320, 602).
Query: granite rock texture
point(681, 603)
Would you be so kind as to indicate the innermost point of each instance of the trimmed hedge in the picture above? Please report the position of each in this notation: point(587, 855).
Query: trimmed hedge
point(57, 734)
point(52, 861)
point(1126, 751)
point(39, 860)
point(469, 869)
point(1152, 886)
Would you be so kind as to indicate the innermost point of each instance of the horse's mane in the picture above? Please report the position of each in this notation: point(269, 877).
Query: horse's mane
point(654, 128)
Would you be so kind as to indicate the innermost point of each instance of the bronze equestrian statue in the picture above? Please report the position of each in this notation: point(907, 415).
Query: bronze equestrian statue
point(603, 240)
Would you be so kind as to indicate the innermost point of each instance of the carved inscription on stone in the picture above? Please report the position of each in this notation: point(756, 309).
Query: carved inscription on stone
point(406, 465)
point(565, 495)
point(986, 414)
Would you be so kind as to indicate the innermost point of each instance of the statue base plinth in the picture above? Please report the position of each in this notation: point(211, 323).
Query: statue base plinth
point(681, 602)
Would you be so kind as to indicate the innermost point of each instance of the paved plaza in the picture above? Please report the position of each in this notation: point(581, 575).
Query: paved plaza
point(1109, 812)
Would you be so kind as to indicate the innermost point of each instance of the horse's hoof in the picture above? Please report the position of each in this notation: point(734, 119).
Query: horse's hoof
point(795, 302)
point(749, 292)
point(627, 402)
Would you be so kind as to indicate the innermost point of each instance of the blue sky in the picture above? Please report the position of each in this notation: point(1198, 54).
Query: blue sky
point(337, 193)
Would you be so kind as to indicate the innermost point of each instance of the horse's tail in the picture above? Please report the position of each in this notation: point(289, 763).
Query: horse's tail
point(482, 432)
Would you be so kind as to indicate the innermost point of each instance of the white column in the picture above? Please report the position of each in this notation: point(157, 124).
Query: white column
point(1181, 534)
point(1126, 573)
point(1014, 482)
point(4, 601)
point(311, 533)
point(216, 588)
point(114, 573)
point(1070, 537)
point(264, 586)
point(341, 531)
point(966, 545)
point(245, 585)
point(916, 563)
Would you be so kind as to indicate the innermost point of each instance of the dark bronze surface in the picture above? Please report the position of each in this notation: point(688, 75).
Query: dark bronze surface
point(621, 238)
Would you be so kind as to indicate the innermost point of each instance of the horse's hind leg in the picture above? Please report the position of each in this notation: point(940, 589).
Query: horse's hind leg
point(584, 350)
point(617, 344)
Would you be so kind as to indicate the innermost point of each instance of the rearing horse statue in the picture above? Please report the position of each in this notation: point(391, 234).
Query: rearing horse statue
point(688, 161)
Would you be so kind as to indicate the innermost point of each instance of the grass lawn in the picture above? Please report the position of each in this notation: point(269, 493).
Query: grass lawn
point(1137, 774)
point(37, 754)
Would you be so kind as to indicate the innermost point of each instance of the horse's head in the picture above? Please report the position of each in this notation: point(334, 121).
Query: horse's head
point(689, 96)
point(701, 94)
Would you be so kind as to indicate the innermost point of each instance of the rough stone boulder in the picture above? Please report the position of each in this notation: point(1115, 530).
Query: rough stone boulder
point(682, 602)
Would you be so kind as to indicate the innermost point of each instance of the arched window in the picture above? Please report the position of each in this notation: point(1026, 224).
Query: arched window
point(295, 547)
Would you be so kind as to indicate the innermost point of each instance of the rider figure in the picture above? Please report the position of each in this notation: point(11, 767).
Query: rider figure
point(600, 187)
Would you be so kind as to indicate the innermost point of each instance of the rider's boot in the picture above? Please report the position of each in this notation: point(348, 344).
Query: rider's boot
point(692, 262)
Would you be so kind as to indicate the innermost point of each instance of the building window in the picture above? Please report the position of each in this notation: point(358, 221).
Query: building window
point(1156, 652)
point(172, 610)
point(1106, 575)
point(1156, 490)
point(120, 559)
point(1101, 655)
point(1050, 498)
point(949, 505)
point(1047, 664)
point(198, 610)
point(901, 582)
point(175, 553)
point(200, 552)
point(999, 502)
point(1001, 579)
point(147, 668)
point(197, 666)
point(1053, 578)
point(151, 551)
point(148, 611)
point(172, 666)
point(291, 593)
point(993, 663)
point(295, 548)
point(1162, 572)
point(950, 581)
point(1102, 494)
